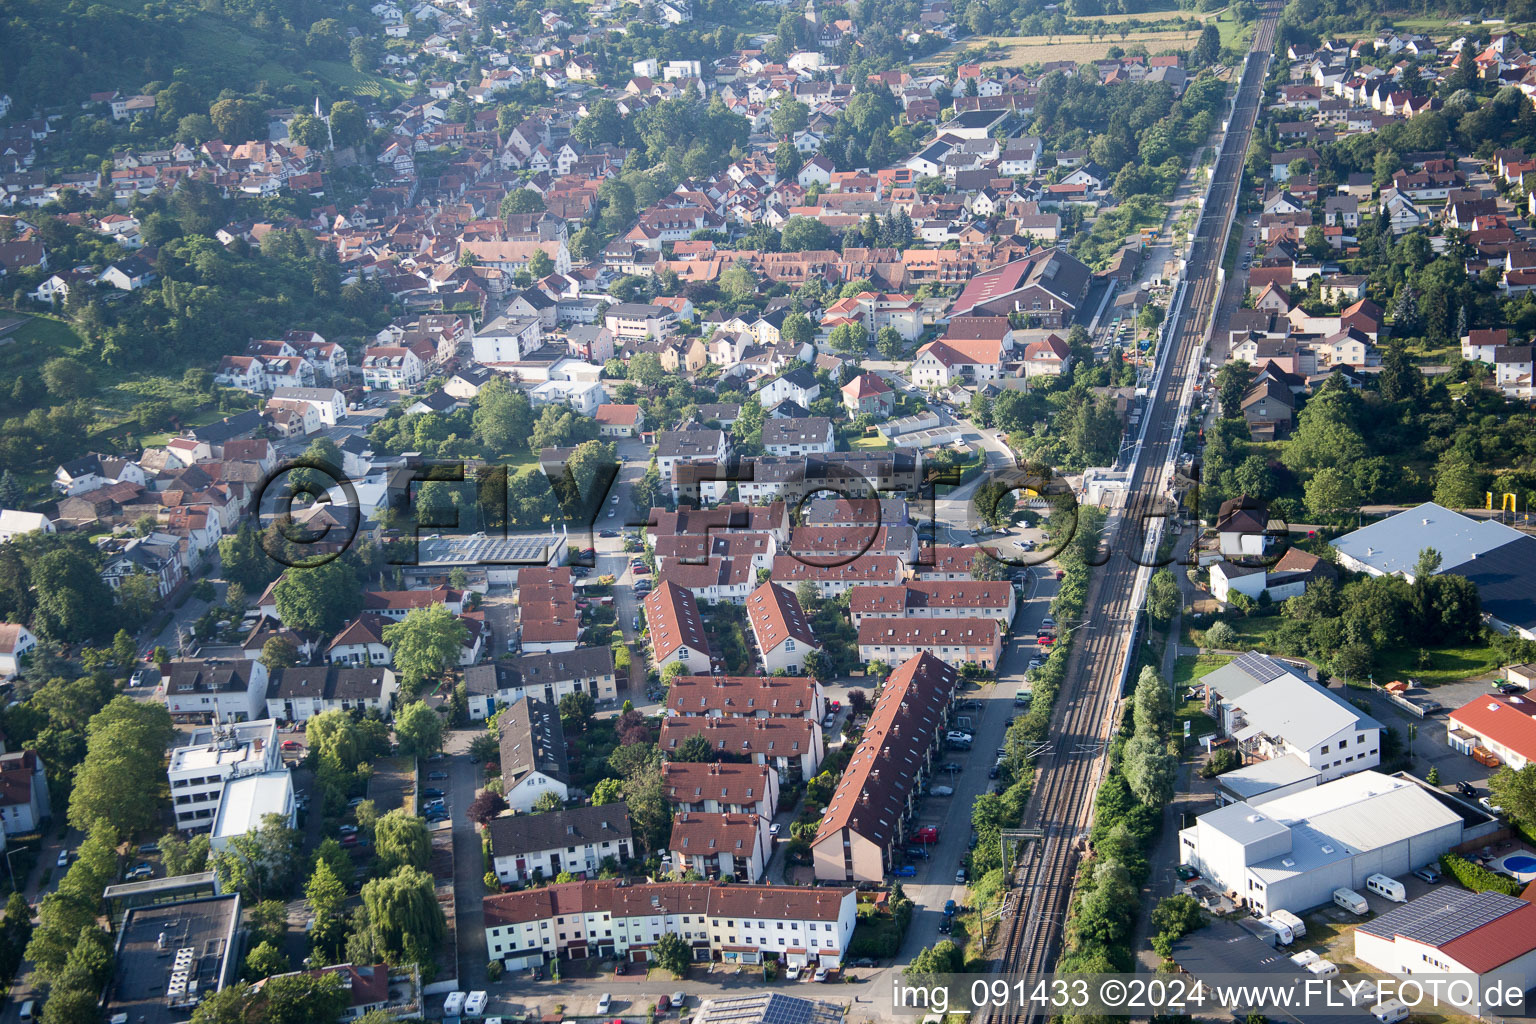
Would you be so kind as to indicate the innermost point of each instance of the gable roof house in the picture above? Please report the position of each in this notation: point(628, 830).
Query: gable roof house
point(533, 753)
point(579, 840)
point(875, 804)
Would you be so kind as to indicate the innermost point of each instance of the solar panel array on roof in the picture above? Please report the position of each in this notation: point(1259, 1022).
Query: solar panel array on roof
point(526, 549)
point(1443, 916)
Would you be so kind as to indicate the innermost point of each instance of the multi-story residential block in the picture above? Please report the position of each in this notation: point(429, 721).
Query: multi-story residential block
point(526, 847)
point(876, 800)
point(746, 697)
point(721, 787)
point(832, 580)
point(953, 641)
point(677, 631)
point(206, 691)
point(807, 436)
point(732, 923)
point(720, 845)
point(792, 746)
point(298, 694)
point(547, 677)
point(200, 768)
point(932, 599)
point(24, 801)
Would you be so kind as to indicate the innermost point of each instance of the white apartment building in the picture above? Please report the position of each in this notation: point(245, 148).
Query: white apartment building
point(201, 768)
point(730, 923)
point(578, 840)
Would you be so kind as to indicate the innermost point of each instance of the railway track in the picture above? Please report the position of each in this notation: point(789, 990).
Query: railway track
point(1066, 779)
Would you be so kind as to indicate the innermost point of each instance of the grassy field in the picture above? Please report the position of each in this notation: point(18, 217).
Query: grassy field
point(878, 442)
point(1080, 49)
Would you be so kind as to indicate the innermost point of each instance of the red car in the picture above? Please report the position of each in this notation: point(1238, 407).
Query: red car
point(640, 570)
point(1046, 641)
point(926, 834)
point(290, 744)
point(1060, 574)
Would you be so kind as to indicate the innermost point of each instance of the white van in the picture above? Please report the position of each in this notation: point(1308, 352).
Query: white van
point(454, 1004)
point(1351, 901)
point(1387, 888)
point(1390, 1011)
point(1297, 926)
point(1323, 968)
point(28, 1011)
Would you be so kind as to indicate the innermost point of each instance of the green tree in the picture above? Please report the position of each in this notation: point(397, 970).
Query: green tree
point(798, 329)
point(548, 801)
point(425, 645)
point(419, 730)
point(576, 710)
point(738, 281)
point(299, 998)
point(1330, 492)
point(72, 602)
point(1153, 704)
point(404, 922)
point(790, 116)
point(264, 961)
point(279, 652)
point(183, 856)
point(694, 748)
point(1149, 769)
point(1163, 598)
point(540, 265)
point(672, 953)
point(68, 378)
point(121, 781)
point(308, 130)
point(320, 599)
point(890, 344)
point(1515, 791)
point(942, 958)
point(521, 200)
point(401, 840)
point(261, 863)
point(349, 124)
point(1232, 382)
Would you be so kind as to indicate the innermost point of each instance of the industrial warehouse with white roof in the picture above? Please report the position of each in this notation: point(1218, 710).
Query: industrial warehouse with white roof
point(1292, 852)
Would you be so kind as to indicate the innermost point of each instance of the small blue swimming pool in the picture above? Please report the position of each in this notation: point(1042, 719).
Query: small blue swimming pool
point(1520, 863)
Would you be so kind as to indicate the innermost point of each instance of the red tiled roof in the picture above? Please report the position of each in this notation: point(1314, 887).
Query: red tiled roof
point(982, 594)
point(672, 615)
point(776, 616)
point(1497, 942)
point(742, 695)
point(873, 789)
point(928, 632)
point(872, 569)
point(687, 782)
point(618, 415)
point(1510, 721)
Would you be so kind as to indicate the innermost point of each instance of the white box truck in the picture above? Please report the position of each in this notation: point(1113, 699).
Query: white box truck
point(1351, 901)
point(1387, 888)
point(1297, 926)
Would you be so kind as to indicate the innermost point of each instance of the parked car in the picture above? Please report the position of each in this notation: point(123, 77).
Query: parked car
point(148, 849)
point(1046, 641)
point(773, 829)
point(678, 999)
point(820, 975)
point(952, 767)
point(604, 1001)
point(431, 792)
point(942, 791)
point(640, 570)
point(1510, 689)
point(1489, 805)
point(960, 876)
point(347, 830)
point(291, 745)
point(958, 736)
point(829, 721)
point(63, 861)
point(1466, 789)
point(792, 973)
point(607, 533)
point(915, 851)
point(927, 834)
point(905, 871)
point(437, 775)
point(141, 870)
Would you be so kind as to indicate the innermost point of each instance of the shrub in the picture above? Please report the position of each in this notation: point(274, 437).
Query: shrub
point(1476, 877)
point(1220, 635)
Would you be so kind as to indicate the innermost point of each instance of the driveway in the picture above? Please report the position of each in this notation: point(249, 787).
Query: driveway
point(468, 862)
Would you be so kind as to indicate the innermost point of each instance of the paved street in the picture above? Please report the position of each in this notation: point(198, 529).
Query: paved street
point(935, 881)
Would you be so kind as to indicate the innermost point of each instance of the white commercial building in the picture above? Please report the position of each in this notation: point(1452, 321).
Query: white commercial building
point(202, 767)
point(1271, 711)
point(1451, 931)
point(247, 802)
point(1290, 853)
